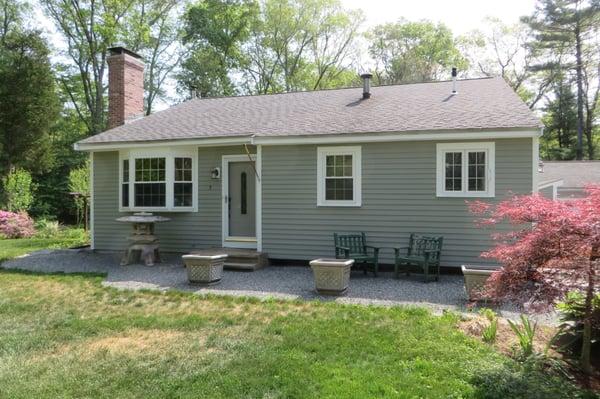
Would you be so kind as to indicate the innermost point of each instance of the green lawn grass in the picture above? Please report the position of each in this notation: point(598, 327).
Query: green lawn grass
point(65, 238)
point(67, 336)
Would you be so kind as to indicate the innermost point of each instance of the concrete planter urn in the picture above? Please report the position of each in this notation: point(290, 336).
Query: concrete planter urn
point(204, 269)
point(331, 275)
point(475, 277)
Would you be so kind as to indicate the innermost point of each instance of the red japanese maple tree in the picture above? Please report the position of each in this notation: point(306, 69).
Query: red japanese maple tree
point(552, 248)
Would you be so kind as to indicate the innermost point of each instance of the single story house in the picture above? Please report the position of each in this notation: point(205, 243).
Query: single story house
point(568, 178)
point(281, 173)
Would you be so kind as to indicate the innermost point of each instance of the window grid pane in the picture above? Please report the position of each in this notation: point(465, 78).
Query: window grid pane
point(150, 170)
point(339, 182)
point(150, 194)
point(182, 193)
point(126, 171)
point(183, 169)
point(150, 186)
point(183, 187)
point(338, 166)
point(453, 170)
point(477, 178)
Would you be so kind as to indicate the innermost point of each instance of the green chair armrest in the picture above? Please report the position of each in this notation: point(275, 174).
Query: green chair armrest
point(346, 251)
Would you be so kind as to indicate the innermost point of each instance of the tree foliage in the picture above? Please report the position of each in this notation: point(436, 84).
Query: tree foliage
point(553, 249)
point(79, 185)
point(408, 52)
point(91, 27)
point(28, 103)
point(560, 120)
point(250, 47)
point(569, 29)
point(18, 191)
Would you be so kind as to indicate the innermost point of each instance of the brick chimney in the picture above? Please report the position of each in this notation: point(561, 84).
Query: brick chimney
point(125, 86)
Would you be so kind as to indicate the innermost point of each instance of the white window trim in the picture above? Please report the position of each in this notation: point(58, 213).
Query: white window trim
point(322, 153)
point(488, 147)
point(169, 153)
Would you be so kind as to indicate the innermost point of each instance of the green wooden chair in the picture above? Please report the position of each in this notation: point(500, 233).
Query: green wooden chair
point(354, 246)
point(422, 251)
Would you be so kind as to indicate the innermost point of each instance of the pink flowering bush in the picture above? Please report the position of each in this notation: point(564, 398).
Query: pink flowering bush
point(553, 248)
point(16, 225)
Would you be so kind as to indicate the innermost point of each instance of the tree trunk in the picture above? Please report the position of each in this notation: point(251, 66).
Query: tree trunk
point(579, 69)
point(586, 346)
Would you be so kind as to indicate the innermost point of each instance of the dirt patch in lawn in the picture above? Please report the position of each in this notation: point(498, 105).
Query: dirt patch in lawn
point(506, 340)
point(134, 342)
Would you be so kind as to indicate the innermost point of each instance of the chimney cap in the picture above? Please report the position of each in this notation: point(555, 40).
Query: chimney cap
point(122, 50)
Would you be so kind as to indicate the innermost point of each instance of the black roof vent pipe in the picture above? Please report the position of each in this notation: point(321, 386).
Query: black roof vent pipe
point(366, 77)
point(454, 81)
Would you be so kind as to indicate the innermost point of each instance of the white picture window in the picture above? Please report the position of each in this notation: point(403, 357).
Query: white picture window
point(339, 176)
point(465, 169)
point(158, 180)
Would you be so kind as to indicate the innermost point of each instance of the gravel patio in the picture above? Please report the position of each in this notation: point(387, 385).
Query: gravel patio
point(283, 282)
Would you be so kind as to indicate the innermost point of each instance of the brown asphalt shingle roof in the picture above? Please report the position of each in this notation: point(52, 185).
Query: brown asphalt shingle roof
point(481, 104)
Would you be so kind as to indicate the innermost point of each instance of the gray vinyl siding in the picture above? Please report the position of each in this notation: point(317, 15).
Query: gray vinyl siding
point(185, 231)
point(398, 197)
point(547, 192)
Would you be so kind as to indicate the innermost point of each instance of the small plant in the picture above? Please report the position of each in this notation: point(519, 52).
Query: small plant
point(18, 190)
point(47, 228)
point(525, 333)
point(16, 225)
point(79, 185)
point(572, 314)
point(489, 333)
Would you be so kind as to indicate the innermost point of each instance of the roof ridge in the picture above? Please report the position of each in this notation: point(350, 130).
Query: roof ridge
point(338, 89)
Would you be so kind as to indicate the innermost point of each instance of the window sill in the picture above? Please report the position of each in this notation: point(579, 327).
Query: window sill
point(339, 205)
point(160, 210)
point(465, 195)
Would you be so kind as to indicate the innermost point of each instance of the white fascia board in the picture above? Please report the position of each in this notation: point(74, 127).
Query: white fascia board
point(378, 137)
point(325, 139)
point(206, 142)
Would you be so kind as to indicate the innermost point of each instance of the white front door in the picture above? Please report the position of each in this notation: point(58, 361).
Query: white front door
point(239, 202)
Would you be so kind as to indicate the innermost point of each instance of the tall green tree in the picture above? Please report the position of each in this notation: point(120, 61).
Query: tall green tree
point(501, 49)
point(157, 38)
point(566, 26)
point(215, 32)
point(406, 52)
point(250, 47)
point(11, 16)
point(91, 27)
point(560, 121)
point(28, 103)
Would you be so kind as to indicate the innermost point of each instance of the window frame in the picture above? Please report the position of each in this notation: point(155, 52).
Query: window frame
point(465, 148)
point(169, 154)
point(355, 152)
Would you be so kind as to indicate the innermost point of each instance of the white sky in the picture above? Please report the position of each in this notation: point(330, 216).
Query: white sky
point(459, 15)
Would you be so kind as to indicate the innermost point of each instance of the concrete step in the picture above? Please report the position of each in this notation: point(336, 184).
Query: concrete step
point(239, 259)
point(240, 266)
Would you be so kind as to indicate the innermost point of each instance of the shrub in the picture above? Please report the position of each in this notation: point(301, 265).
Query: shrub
point(572, 312)
point(47, 228)
point(16, 225)
point(18, 190)
point(79, 182)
